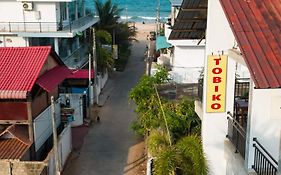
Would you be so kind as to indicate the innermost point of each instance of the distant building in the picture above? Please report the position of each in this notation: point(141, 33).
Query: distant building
point(29, 77)
point(185, 31)
point(62, 24)
point(27, 83)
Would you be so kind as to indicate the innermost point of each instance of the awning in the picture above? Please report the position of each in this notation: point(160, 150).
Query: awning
point(161, 43)
point(81, 74)
point(53, 78)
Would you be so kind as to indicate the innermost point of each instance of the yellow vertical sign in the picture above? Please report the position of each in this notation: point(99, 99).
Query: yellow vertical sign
point(216, 83)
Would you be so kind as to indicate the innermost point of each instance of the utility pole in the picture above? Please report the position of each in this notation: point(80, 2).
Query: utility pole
point(55, 139)
point(95, 67)
point(158, 19)
point(90, 85)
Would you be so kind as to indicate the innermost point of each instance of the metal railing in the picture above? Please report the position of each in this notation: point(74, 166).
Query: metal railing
point(264, 163)
point(236, 134)
point(40, 27)
point(31, 27)
point(78, 55)
point(242, 86)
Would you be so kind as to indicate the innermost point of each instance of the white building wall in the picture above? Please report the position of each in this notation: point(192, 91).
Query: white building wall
point(187, 63)
point(13, 41)
point(265, 121)
point(219, 38)
point(12, 11)
point(189, 56)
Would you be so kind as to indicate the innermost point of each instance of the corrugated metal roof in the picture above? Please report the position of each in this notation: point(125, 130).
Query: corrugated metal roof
point(19, 69)
point(191, 21)
point(53, 78)
point(81, 73)
point(12, 148)
point(256, 25)
point(14, 142)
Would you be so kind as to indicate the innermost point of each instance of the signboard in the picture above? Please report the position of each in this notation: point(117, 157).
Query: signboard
point(216, 83)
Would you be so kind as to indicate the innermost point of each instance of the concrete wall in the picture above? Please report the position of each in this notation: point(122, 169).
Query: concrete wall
point(265, 119)
point(64, 149)
point(9, 167)
point(12, 11)
point(219, 38)
point(12, 41)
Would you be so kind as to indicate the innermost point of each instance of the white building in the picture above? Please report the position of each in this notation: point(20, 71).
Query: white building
point(241, 124)
point(63, 24)
point(186, 32)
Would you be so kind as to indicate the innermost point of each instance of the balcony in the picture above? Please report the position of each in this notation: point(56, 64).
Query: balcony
point(236, 134)
point(65, 29)
point(237, 121)
point(78, 58)
point(264, 163)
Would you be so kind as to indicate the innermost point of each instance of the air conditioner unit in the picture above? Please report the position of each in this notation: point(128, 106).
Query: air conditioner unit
point(27, 6)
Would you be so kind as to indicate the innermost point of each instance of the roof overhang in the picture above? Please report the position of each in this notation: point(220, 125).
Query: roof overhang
point(81, 74)
point(191, 21)
point(53, 78)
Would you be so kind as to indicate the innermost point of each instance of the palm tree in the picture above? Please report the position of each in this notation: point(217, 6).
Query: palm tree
point(108, 13)
point(104, 57)
point(185, 157)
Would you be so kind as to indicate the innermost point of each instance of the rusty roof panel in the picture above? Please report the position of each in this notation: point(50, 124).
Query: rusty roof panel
point(12, 148)
point(256, 25)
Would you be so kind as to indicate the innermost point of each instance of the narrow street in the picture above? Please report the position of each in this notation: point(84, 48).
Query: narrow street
point(110, 147)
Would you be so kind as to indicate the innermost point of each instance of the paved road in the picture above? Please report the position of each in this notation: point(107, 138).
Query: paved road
point(108, 143)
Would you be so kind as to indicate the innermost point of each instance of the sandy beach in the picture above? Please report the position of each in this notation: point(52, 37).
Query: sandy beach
point(144, 29)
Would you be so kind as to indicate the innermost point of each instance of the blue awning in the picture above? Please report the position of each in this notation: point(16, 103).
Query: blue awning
point(161, 43)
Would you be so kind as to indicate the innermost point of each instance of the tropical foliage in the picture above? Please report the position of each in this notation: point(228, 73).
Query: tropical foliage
point(172, 129)
point(108, 13)
point(122, 35)
point(104, 57)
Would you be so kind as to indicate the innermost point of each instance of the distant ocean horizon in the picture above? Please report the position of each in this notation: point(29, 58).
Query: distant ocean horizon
point(139, 10)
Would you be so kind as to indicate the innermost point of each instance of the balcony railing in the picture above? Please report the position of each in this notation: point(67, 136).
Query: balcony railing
point(264, 163)
point(41, 27)
point(32, 27)
point(236, 134)
point(77, 57)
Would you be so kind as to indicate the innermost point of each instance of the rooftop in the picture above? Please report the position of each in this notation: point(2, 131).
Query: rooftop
point(191, 21)
point(257, 26)
point(20, 68)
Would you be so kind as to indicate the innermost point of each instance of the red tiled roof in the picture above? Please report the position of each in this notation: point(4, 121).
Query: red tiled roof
point(52, 78)
point(256, 25)
point(81, 73)
point(19, 69)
